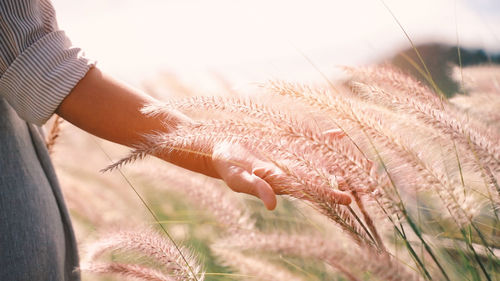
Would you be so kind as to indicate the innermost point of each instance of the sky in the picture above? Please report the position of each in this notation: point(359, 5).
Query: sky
point(252, 41)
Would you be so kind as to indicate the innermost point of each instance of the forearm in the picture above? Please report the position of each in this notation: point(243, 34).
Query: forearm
point(110, 109)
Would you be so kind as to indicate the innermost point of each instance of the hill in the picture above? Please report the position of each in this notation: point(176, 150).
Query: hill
point(440, 60)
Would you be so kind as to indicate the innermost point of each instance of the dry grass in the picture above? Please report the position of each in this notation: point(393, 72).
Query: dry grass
point(421, 174)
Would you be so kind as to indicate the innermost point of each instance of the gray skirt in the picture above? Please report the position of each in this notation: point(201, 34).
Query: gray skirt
point(36, 238)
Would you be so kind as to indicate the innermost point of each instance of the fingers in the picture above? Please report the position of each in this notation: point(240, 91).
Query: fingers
point(234, 165)
point(272, 174)
point(244, 172)
point(266, 193)
point(240, 180)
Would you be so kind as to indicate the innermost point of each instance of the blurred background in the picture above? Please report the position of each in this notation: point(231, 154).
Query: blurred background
point(253, 41)
point(180, 48)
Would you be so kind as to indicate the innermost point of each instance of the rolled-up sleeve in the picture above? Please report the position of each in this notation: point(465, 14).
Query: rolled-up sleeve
point(38, 64)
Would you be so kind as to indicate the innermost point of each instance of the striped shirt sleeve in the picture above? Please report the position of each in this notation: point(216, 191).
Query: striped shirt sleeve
point(38, 64)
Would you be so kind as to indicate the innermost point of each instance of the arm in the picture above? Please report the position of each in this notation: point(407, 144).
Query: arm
point(39, 67)
point(109, 109)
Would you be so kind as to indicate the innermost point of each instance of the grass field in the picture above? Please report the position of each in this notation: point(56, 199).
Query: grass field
point(421, 171)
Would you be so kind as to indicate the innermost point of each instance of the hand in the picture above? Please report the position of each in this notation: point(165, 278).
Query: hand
point(244, 172)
